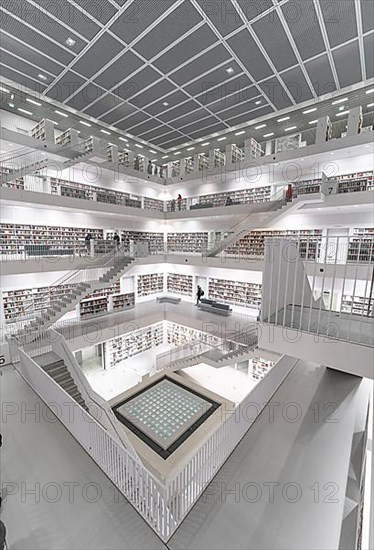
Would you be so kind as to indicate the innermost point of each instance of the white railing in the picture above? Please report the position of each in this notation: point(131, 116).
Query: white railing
point(324, 286)
point(186, 487)
point(130, 477)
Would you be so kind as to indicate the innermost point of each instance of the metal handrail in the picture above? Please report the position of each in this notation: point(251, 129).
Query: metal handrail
point(99, 262)
point(278, 198)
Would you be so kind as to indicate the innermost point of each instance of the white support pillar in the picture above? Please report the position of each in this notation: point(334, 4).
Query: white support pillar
point(228, 152)
point(49, 129)
point(354, 121)
point(323, 130)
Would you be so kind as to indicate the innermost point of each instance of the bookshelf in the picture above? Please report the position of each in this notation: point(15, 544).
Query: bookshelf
point(178, 335)
point(358, 305)
point(361, 246)
point(156, 240)
point(16, 184)
point(175, 168)
point(235, 292)
point(39, 131)
point(152, 283)
point(252, 245)
point(178, 283)
point(187, 242)
point(241, 196)
point(123, 158)
point(203, 162)
point(153, 204)
point(119, 349)
point(97, 302)
point(260, 367)
point(219, 158)
point(188, 164)
point(254, 148)
point(14, 238)
point(347, 183)
point(120, 302)
point(237, 154)
point(19, 303)
point(64, 138)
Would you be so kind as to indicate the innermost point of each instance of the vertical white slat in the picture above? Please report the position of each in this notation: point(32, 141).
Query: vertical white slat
point(354, 289)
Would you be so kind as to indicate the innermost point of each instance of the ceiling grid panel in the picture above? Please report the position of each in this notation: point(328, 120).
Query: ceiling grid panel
point(59, 21)
point(295, 49)
point(327, 44)
point(126, 47)
point(98, 35)
point(233, 54)
point(263, 51)
point(360, 38)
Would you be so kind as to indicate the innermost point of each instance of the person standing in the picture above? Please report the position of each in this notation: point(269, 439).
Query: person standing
point(199, 294)
point(149, 167)
point(172, 205)
point(289, 193)
point(87, 241)
point(179, 202)
point(116, 239)
point(137, 163)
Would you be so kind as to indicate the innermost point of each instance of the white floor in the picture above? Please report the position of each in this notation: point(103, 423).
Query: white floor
point(229, 383)
point(55, 496)
point(112, 382)
point(40, 461)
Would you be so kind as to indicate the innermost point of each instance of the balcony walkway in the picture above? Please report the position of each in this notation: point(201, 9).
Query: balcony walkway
point(37, 451)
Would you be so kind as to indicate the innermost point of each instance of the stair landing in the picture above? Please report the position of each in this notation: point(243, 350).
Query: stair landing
point(47, 359)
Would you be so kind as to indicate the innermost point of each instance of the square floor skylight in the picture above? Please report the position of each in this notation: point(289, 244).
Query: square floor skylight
point(165, 414)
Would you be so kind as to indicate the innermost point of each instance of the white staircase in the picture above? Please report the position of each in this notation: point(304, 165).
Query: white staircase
point(100, 274)
point(235, 348)
point(278, 209)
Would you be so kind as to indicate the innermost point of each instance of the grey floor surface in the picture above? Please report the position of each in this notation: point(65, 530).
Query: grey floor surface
point(40, 461)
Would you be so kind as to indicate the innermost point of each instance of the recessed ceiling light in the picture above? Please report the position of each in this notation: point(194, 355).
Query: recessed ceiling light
point(261, 126)
point(62, 114)
point(177, 153)
point(283, 119)
point(123, 139)
point(137, 145)
point(310, 110)
point(85, 123)
point(154, 152)
point(219, 139)
point(11, 105)
point(165, 103)
point(240, 133)
point(290, 128)
point(42, 76)
point(165, 157)
point(337, 101)
point(370, 105)
point(204, 144)
point(369, 91)
point(153, 160)
point(24, 111)
point(33, 102)
point(342, 107)
point(268, 135)
point(106, 132)
point(190, 148)
point(70, 41)
point(313, 121)
point(230, 70)
point(54, 122)
point(258, 102)
point(5, 90)
point(342, 113)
